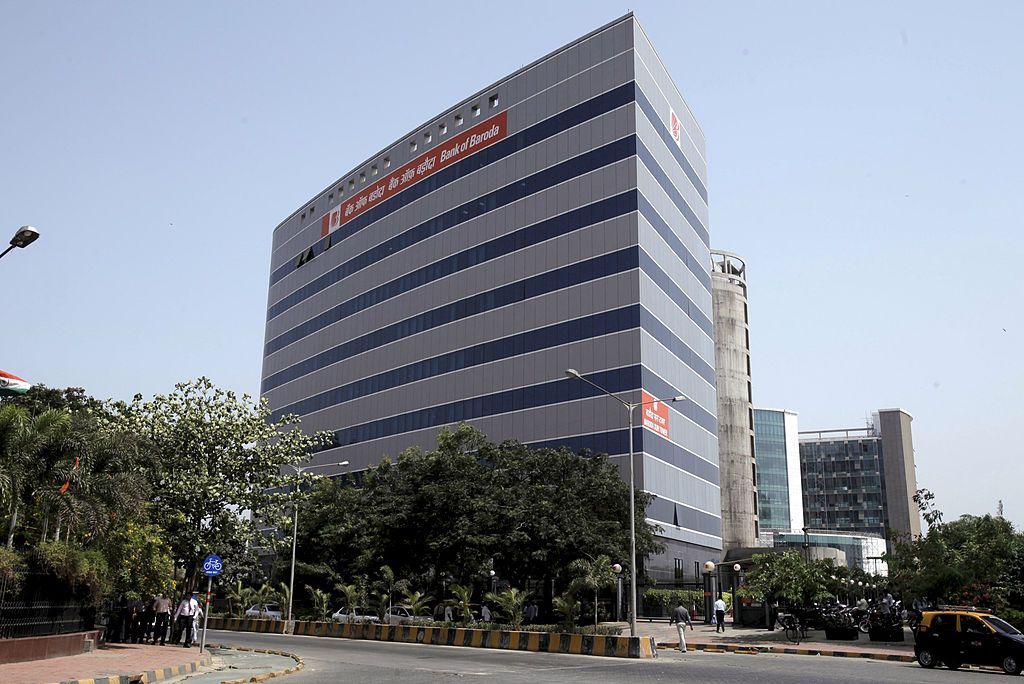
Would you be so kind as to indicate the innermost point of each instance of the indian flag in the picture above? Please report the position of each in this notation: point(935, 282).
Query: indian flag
point(12, 384)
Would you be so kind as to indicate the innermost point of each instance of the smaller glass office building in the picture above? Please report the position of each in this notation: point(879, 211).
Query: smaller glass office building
point(777, 452)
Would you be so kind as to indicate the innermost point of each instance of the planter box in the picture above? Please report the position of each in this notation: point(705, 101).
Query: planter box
point(842, 633)
point(894, 633)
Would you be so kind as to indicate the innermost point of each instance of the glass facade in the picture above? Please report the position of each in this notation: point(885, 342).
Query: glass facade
point(843, 483)
point(772, 475)
point(862, 551)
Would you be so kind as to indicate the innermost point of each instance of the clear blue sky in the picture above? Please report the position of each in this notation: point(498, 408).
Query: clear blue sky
point(864, 157)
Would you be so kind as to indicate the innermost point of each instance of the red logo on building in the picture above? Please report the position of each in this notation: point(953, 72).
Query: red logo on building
point(427, 164)
point(655, 415)
point(673, 125)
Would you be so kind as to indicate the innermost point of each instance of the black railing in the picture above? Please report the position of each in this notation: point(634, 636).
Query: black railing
point(36, 618)
point(25, 610)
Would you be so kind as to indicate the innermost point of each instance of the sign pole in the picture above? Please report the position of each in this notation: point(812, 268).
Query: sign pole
point(212, 566)
point(206, 612)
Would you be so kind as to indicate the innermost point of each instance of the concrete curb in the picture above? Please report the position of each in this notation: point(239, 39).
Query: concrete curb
point(149, 675)
point(299, 663)
point(543, 642)
point(755, 649)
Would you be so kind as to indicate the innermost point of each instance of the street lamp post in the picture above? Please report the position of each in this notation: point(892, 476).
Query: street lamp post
point(735, 590)
point(617, 569)
point(25, 236)
point(295, 527)
point(630, 407)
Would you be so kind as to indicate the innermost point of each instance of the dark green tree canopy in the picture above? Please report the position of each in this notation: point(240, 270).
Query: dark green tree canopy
point(469, 507)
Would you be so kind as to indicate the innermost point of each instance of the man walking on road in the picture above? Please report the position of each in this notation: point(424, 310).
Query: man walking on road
point(681, 618)
point(162, 608)
point(719, 615)
point(184, 616)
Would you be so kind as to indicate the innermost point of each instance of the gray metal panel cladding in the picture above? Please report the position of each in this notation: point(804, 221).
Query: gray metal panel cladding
point(471, 295)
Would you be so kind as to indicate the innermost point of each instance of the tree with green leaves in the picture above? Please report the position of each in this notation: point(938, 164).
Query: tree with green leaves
point(466, 508)
point(416, 601)
point(463, 601)
point(592, 574)
point(321, 603)
point(786, 576)
point(216, 454)
point(509, 604)
point(23, 438)
point(974, 560)
point(568, 606)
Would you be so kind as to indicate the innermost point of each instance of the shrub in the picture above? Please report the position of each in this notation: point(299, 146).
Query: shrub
point(601, 630)
point(84, 574)
point(11, 568)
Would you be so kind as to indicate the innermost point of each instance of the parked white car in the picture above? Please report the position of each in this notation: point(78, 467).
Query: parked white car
point(268, 611)
point(402, 615)
point(357, 614)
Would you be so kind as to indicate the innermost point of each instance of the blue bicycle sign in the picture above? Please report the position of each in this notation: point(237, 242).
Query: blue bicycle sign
point(213, 565)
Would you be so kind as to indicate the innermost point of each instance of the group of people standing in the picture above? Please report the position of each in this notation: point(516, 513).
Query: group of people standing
point(139, 621)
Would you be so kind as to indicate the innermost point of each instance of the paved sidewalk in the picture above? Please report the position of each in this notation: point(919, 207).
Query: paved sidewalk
point(236, 665)
point(110, 661)
point(752, 639)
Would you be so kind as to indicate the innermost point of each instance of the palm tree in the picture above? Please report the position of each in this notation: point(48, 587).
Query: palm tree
point(568, 606)
point(22, 438)
point(351, 594)
point(263, 596)
point(284, 594)
point(510, 604)
point(595, 575)
point(417, 601)
point(463, 596)
point(235, 597)
point(321, 603)
point(389, 585)
point(101, 482)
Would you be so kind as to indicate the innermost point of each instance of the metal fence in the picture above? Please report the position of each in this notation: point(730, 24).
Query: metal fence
point(26, 611)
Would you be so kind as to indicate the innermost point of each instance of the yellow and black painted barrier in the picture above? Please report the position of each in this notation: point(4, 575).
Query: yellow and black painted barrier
point(541, 642)
point(248, 625)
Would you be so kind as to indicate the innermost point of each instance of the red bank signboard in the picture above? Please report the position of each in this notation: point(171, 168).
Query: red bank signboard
point(655, 415)
point(427, 164)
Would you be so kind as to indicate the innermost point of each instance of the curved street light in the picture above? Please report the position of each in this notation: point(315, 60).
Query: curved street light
point(24, 237)
point(295, 525)
point(630, 407)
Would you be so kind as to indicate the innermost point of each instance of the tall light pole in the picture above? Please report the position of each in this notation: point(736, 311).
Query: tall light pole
point(630, 407)
point(295, 525)
point(25, 236)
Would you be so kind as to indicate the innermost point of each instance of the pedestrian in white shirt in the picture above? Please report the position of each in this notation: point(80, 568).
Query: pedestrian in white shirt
point(185, 615)
point(719, 615)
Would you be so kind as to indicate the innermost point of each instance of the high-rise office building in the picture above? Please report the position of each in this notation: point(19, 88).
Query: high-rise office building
point(735, 401)
point(779, 489)
point(862, 479)
point(555, 219)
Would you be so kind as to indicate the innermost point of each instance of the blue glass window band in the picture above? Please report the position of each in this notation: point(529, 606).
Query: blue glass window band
point(586, 327)
point(516, 240)
point(557, 279)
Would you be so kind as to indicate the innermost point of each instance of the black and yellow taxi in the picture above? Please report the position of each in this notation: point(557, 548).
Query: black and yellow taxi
point(968, 636)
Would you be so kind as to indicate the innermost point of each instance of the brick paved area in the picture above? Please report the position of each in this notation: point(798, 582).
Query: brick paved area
point(115, 659)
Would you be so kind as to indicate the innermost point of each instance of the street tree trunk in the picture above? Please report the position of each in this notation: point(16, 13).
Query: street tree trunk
point(14, 522)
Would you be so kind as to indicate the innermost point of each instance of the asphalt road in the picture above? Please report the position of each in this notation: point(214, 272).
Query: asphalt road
point(348, 660)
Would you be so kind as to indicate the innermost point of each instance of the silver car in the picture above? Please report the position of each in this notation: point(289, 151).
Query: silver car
point(403, 615)
point(268, 611)
point(354, 615)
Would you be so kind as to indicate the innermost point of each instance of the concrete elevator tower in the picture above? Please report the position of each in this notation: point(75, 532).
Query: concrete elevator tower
point(735, 401)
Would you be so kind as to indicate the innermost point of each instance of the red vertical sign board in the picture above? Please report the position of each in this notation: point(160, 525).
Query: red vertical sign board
point(655, 415)
point(427, 164)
